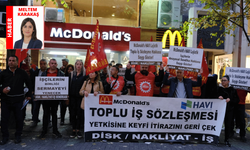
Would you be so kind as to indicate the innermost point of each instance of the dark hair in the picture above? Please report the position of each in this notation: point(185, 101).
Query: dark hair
point(226, 76)
point(34, 27)
point(117, 68)
point(209, 70)
point(13, 56)
point(67, 68)
point(53, 59)
point(97, 78)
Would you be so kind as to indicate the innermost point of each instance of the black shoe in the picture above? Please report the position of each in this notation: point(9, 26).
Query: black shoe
point(57, 134)
point(42, 135)
point(62, 123)
point(227, 143)
point(33, 124)
point(243, 139)
point(4, 141)
point(79, 134)
point(73, 134)
point(18, 139)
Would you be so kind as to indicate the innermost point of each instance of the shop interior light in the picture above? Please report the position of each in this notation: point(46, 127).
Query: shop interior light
point(127, 52)
point(165, 50)
point(113, 6)
point(113, 15)
point(107, 50)
point(63, 53)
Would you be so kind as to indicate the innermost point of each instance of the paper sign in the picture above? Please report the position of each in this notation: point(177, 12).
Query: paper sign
point(239, 77)
point(145, 52)
point(185, 58)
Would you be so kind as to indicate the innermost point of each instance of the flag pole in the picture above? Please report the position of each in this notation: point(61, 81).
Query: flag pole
point(109, 72)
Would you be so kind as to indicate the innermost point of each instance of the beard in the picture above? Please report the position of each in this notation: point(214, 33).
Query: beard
point(144, 72)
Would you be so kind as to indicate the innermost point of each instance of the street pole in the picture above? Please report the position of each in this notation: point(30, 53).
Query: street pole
point(240, 34)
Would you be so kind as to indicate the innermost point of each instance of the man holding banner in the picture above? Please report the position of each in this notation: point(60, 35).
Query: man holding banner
point(51, 106)
point(116, 84)
point(181, 87)
point(144, 80)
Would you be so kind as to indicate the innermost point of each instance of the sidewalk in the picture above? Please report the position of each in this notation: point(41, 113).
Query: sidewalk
point(31, 141)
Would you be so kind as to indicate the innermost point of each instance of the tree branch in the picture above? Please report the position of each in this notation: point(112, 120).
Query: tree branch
point(227, 18)
point(236, 4)
point(247, 5)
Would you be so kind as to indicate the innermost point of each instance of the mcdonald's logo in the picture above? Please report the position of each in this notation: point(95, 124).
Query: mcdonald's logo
point(171, 38)
point(105, 99)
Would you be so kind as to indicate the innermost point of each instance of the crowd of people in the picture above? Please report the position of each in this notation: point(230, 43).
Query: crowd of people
point(14, 78)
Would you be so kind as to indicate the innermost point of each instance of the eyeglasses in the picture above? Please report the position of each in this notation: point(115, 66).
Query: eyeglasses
point(224, 80)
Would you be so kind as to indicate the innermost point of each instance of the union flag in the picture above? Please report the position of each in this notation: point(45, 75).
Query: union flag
point(97, 59)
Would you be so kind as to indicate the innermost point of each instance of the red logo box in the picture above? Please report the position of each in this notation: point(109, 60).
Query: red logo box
point(105, 99)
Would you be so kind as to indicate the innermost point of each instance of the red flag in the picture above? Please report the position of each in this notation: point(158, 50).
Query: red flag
point(151, 38)
point(183, 44)
point(21, 54)
point(97, 58)
point(204, 67)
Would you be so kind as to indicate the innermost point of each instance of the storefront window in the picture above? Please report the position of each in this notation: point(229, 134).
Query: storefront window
point(3, 54)
point(108, 12)
point(248, 66)
point(59, 54)
point(118, 57)
point(221, 62)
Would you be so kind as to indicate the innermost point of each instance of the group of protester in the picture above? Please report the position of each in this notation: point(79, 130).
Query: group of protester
point(13, 80)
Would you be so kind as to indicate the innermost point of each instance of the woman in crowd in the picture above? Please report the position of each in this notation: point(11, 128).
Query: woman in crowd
point(69, 69)
point(225, 91)
point(29, 36)
point(92, 85)
point(76, 79)
point(65, 104)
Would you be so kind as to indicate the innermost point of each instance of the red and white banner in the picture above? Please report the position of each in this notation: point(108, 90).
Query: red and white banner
point(25, 27)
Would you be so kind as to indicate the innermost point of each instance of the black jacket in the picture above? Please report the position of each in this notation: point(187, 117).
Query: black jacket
point(188, 84)
point(108, 89)
point(16, 82)
point(211, 88)
point(231, 93)
point(33, 78)
point(75, 84)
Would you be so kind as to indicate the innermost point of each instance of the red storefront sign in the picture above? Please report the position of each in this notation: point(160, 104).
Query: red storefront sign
point(79, 36)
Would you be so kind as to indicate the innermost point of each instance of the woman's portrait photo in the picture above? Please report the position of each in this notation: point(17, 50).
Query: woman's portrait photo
point(29, 38)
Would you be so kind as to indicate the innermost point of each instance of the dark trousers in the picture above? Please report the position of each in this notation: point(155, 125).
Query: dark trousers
point(63, 108)
point(6, 109)
point(228, 121)
point(36, 109)
point(32, 107)
point(50, 107)
point(240, 119)
point(76, 113)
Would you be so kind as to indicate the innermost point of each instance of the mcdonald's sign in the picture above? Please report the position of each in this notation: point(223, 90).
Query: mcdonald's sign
point(105, 99)
point(171, 38)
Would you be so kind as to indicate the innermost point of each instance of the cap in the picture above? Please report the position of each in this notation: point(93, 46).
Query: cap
point(65, 59)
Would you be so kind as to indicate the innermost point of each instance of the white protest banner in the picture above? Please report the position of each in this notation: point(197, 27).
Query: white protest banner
point(51, 88)
point(145, 52)
point(239, 77)
point(185, 58)
point(133, 118)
